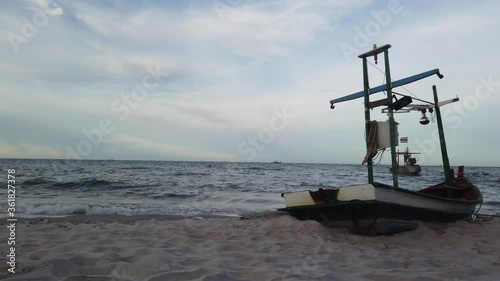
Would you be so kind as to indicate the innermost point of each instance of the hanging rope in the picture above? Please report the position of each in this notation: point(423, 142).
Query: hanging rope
point(372, 141)
point(379, 156)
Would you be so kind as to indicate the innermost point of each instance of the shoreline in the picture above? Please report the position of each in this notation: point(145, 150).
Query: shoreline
point(118, 218)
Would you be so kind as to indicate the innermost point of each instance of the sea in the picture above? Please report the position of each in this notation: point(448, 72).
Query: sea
point(90, 187)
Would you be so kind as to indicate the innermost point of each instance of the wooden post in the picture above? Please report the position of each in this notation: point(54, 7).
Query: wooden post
point(444, 152)
point(366, 94)
point(367, 117)
point(392, 128)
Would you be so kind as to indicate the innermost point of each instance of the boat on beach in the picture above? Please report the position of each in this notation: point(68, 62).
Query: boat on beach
point(454, 198)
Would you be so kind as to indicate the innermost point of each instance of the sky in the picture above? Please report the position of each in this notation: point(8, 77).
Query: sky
point(240, 80)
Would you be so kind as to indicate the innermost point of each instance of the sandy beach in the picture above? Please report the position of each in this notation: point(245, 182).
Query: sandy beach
point(260, 247)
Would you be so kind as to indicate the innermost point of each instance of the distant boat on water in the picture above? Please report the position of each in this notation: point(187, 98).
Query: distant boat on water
point(409, 166)
point(276, 162)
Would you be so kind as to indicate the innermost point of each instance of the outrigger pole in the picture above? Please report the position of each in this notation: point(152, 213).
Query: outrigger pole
point(394, 84)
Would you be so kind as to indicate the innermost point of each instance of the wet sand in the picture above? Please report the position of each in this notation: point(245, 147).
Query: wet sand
point(271, 246)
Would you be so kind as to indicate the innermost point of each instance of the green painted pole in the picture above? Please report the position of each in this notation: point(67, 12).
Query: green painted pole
point(367, 117)
point(444, 151)
point(392, 131)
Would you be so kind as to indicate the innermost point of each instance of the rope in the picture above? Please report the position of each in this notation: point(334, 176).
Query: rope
point(488, 216)
point(392, 80)
point(475, 213)
point(372, 141)
point(415, 98)
point(380, 156)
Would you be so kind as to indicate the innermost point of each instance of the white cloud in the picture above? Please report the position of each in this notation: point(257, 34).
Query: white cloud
point(29, 150)
point(162, 150)
point(51, 7)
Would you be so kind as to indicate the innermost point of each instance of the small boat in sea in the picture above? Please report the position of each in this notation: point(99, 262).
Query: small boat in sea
point(409, 166)
point(454, 198)
point(276, 162)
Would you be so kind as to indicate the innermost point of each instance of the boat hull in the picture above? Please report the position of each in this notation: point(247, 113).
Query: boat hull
point(363, 210)
point(381, 201)
point(411, 170)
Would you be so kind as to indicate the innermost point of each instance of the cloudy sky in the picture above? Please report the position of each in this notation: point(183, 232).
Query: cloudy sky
point(239, 80)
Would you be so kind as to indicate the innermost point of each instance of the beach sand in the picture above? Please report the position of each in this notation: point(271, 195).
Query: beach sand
point(271, 246)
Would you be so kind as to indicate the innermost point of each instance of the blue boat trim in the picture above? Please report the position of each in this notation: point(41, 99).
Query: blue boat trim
point(395, 84)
